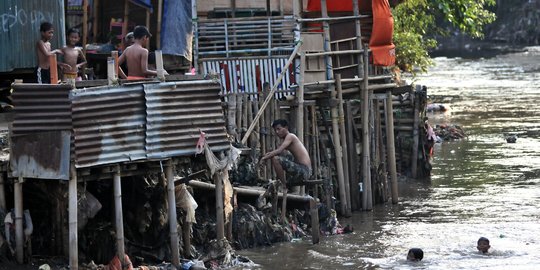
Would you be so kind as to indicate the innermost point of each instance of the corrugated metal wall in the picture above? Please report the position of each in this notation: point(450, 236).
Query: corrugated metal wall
point(41, 107)
point(177, 112)
point(108, 125)
point(19, 30)
point(117, 124)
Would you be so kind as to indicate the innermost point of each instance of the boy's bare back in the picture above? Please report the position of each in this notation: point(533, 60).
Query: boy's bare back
point(137, 60)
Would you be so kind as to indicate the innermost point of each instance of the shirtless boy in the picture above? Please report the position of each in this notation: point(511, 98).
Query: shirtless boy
point(43, 50)
point(136, 56)
point(296, 170)
point(72, 55)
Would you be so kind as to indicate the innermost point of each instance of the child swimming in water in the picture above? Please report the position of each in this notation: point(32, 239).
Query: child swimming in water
point(483, 245)
point(415, 255)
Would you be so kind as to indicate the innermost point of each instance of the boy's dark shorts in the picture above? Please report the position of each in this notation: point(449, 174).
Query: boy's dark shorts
point(296, 173)
point(43, 75)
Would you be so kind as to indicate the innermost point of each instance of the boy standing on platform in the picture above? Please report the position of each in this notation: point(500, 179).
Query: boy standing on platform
point(43, 50)
point(136, 56)
point(72, 54)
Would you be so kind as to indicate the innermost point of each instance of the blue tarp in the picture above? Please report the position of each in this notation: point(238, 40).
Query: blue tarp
point(176, 28)
point(143, 3)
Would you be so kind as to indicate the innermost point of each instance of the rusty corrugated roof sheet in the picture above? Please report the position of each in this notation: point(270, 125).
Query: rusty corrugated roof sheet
point(19, 30)
point(108, 125)
point(177, 112)
point(41, 107)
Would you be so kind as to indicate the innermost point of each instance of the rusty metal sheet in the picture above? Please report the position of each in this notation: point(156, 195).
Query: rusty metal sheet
point(43, 155)
point(177, 111)
point(19, 30)
point(108, 125)
point(41, 107)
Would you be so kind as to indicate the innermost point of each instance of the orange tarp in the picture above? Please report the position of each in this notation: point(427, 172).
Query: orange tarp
point(380, 42)
point(339, 5)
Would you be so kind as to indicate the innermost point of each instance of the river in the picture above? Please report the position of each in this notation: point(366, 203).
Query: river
point(480, 186)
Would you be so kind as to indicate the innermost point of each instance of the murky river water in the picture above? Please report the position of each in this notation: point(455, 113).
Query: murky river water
point(480, 186)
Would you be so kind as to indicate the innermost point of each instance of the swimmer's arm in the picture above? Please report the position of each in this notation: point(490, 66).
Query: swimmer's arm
point(83, 59)
point(284, 145)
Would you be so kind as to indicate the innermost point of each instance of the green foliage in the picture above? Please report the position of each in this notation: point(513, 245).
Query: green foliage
point(415, 21)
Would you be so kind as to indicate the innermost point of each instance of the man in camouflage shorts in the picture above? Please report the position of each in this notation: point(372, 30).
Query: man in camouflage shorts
point(291, 171)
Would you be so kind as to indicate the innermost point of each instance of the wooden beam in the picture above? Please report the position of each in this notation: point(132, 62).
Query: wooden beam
point(158, 30)
point(73, 211)
point(95, 24)
point(173, 225)
point(119, 220)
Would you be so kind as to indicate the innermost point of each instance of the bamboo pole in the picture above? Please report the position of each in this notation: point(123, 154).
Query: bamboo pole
point(343, 140)
point(316, 147)
point(353, 158)
point(53, 68)
point(391, 154)
point(314, 213)
point(186, 236)
point(345, 209)
point(2, 193)
point(126, 18)
point(19, 230)
point(326, 34)
point(73, 211)
point(173, 225)
point(85, 25)
point(272, 91)
point(358, 34)
point(220, 222)
point(300, 97)
point(119, 219)
point(382, 153)
point(239, 115)
point(195, 29)
point(415, 134)
point(159, 16)
point(148, 27)
point(367, 201)
point(95, 22)
point(379, 152)
point(284, 201)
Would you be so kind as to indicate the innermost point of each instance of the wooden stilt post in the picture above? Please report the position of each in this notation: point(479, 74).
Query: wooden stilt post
point(173, 225)
point(345, 208)
point(284, 202)
point(414, 159)
point(126, 18)
point(148, 27)
point(159, 16)
point(95, 23)
point(391, 154)
point(300, 99)
point(186, 236)
point(344, 148)
point(353, 158)
point(195, 25)
point(19, 230)
point(300, 113)
point(366, 167)
point(220, 222)
point(379, 151)
point(314, 213)
point(118, 215)
point(2, 193)
point(85, 24)
point(73, 211)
